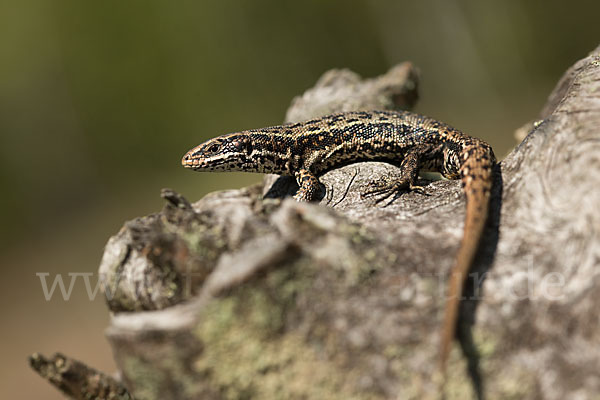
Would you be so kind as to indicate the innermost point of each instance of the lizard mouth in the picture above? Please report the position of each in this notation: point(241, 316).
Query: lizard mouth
point(189, 162)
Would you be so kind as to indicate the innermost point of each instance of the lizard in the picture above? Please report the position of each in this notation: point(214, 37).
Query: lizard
point(306, 150)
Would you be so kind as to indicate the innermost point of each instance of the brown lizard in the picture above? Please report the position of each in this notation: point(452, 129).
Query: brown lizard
point(415, 143)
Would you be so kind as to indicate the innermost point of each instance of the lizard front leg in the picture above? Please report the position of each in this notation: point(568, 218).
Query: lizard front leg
point(309, 185)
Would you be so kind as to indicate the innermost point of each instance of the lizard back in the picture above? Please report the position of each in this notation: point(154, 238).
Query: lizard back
point(321, 144)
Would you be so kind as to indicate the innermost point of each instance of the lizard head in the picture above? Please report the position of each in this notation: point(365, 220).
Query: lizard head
point(224, 153)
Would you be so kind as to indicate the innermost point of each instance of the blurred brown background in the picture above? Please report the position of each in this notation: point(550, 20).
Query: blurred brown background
point(99, 100)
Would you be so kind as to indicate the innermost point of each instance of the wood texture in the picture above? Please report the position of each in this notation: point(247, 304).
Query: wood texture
point(244, 295)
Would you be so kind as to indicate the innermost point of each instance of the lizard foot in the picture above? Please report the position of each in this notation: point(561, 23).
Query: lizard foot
point(418, 189)
point(384, 189)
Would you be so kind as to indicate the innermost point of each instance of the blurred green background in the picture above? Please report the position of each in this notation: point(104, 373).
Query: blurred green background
point(99, 101)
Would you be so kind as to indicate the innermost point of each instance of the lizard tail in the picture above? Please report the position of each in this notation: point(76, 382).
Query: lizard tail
point(476, 177)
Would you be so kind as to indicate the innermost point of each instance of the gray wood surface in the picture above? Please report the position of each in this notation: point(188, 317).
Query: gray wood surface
point(243, 295)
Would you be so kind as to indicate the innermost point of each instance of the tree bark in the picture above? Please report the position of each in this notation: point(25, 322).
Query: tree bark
point(244, 294)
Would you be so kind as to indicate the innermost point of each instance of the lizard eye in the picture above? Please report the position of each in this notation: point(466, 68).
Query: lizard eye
point(213, 148)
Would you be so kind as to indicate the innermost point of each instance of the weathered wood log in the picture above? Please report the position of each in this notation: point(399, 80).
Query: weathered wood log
point(245, 295)
point(77, 380)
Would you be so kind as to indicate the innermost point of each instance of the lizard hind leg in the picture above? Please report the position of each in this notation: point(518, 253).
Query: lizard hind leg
point(385, 187)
